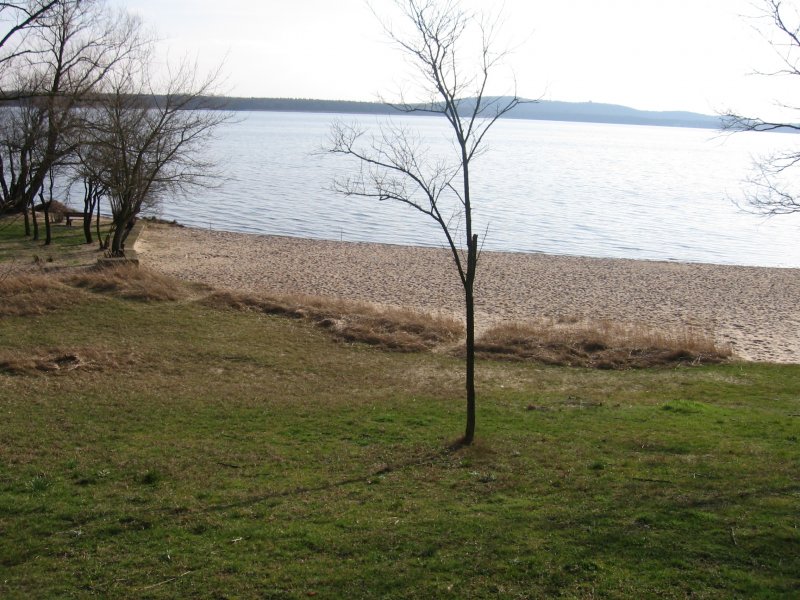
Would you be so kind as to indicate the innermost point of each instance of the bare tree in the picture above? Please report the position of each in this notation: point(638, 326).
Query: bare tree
point(22, 132)
point(82, 92)
point(16, 20)
point(73, 49)
point(20, 16)
point(142, 145)
point(396, 164)
point(770, 194)
point(94, 190)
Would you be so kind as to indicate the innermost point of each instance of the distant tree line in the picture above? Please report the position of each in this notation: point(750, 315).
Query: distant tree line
point(586, 112)
point(81, 107)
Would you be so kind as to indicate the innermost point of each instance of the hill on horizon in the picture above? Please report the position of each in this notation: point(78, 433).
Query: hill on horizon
point(546, 110)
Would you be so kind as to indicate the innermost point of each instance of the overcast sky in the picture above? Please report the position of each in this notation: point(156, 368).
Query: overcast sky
point(697, 55)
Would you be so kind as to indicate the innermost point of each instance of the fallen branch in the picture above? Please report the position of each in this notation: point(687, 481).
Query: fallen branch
point(170, 580)
point(651, 480)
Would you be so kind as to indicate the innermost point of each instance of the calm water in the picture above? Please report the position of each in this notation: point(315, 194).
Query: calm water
point(561, 188)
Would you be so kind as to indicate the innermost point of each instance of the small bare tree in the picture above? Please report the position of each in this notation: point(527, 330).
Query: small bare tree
point(395, 162)
point(769, 193)
point(94, 190)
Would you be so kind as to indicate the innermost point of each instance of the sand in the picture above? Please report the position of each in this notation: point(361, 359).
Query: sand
point(756, 310)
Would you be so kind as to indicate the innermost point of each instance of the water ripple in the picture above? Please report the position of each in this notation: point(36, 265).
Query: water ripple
point(560, 188)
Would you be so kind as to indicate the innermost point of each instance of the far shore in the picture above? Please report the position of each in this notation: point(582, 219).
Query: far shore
point(755, 309)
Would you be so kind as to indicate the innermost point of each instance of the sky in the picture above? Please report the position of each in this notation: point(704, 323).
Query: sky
point(695, 55)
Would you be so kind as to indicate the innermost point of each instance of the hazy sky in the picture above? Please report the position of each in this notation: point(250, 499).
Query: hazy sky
point(696, 55)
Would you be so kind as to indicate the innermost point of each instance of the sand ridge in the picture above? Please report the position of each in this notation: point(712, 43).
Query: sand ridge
point(755, 309)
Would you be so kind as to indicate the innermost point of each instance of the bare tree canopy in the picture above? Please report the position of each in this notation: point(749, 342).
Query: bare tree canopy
point(15, 19)
point(83, 100)
point(58, 66)
point(771, 192)
point(452, 52)
point(140, 146)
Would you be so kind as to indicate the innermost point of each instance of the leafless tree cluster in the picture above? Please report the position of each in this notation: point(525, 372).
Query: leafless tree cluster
point(79, 104)
point(395, 163)
point(139, 148)
point(770, 192)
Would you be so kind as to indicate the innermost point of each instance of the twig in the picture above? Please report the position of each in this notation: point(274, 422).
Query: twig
point(651, 480)
point(149, 587)
point(733, 537)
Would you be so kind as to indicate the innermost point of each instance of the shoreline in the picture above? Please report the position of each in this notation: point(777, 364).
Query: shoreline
point(755, 309)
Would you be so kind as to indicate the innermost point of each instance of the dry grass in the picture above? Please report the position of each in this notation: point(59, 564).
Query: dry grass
point(602, 344)
point(577, 343)
point(24, 295)
point(130, 282)
point(61, 360)
point(385, 327)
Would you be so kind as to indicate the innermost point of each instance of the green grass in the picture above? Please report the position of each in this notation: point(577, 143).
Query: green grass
point(68, 247)
point(178, 450)
point(205, 453)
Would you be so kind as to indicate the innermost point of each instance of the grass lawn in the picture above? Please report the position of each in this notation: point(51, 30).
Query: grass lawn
point(68, 247)
point(173, 450)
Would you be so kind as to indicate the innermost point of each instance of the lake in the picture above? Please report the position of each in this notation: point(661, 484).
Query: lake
point(584, 189)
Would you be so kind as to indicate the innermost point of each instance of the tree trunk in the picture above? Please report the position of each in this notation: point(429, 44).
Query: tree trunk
point(103, 245)
point(118, 241)
point(89, 200)
point(35, 223)
point(469, 297)
point(128, 228)
point(48, 232)
point(87, 226)
point(28, 223)
point(121, 231)
point(469, 433)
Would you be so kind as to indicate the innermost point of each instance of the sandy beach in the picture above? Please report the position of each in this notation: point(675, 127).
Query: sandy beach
point(756, 310)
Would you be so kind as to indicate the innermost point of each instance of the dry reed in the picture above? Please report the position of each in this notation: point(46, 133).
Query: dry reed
point(599, 344)
point(23, 295)
point(130, 282)
point(385, 327)
point(61, 360)
point(569, 342)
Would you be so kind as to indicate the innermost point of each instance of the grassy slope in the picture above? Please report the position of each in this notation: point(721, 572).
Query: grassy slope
point(218, 454)
point(210, 453)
